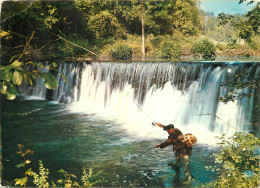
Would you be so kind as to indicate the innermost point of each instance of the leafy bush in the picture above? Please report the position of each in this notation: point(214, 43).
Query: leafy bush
point(169, 49)
point(156, 40)
point(254, 44)
point(88, 179)
point(204, 47)
point(105, 25)
point(237, 156)
point(121, 51)
point(40, 180)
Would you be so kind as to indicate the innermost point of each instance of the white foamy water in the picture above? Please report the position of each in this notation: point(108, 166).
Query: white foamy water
point(136, 94)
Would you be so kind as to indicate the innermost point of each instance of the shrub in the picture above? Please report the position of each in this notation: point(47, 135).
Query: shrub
point(88, 178)
point(169, 49)
point(253, 44)
point(121, 51)
point(204, 47)
point(105, 25)
point(237, 157)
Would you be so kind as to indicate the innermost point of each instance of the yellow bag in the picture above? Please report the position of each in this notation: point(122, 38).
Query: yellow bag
point(189, 139)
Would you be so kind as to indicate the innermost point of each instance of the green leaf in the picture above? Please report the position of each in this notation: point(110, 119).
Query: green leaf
point(72, 175)
point(55, 65)
point(61, 171)
point(20, 181)
point(10, 96)
point(50, 80)
point(60, 181)
point(3, 88)
point(7, 75)
point(29, 172)
point(17, 78)
point(76, 184)
point(16, 63)
point(11, 92)
point(27, 162)
point(20, 165)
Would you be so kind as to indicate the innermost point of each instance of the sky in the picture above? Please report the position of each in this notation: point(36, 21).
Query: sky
point(226, 6)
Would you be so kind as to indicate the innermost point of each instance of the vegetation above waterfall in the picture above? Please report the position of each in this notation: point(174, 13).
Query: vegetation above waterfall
point(101, 26)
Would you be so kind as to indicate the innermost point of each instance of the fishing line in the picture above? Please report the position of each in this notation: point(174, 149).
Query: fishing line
point(137, 155)
point(154, 122)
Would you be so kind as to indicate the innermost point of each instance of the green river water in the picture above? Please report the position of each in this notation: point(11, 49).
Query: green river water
point(70, 141)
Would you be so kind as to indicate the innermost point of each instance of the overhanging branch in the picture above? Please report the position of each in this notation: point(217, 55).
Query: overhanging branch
point(76, 45)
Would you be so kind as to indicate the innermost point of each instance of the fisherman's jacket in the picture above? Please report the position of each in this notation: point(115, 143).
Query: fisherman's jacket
point(180, 149)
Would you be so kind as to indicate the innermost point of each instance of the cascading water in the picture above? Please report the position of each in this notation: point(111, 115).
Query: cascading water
point(178, 93)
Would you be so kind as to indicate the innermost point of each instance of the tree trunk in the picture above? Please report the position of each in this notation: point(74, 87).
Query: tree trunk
point(143, 39)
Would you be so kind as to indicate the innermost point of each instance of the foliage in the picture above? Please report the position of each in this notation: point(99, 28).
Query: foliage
point(185, 17)
point(89, 179)
point(237, 84)
point(225, 19)
point(248, 1)
point(246, 31)
point(247, 26)
point(68, 182)
point(13, 8)
point(159, 15)
point(204, 47)
point(23, 153)
point(95, 24)
point(13, 74)
point(40, 179)
point(65, 49)
point(169, 49)
point(121, 51)
point(237, 155)
point(254, 19)
point(105, 25)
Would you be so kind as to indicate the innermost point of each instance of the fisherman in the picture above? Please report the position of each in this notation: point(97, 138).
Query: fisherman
point(181, 148)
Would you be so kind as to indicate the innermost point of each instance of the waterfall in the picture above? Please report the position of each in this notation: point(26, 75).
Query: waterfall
point(178, 93)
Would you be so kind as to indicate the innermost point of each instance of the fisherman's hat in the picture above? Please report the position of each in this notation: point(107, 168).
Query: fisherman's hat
point(170, 126)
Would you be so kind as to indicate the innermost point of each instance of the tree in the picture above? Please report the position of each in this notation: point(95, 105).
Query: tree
point(143, 38)
point(185, 17)
point(237, 156)
point(105, 25)
point(247, 27)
